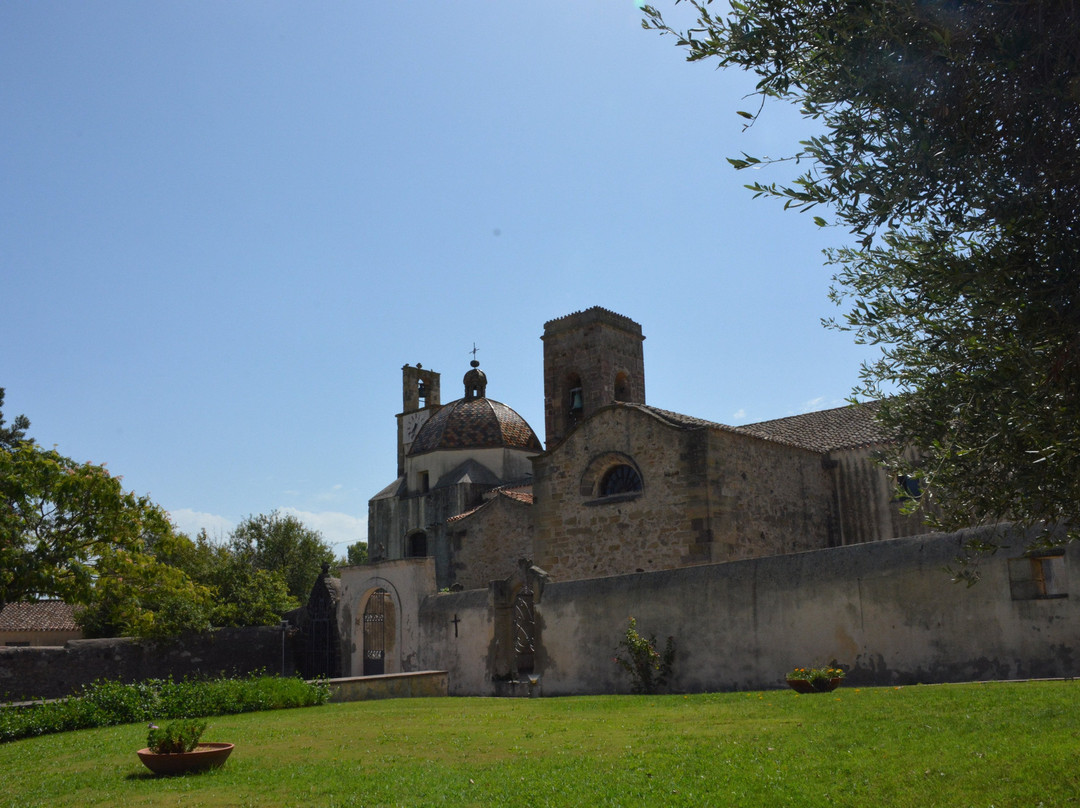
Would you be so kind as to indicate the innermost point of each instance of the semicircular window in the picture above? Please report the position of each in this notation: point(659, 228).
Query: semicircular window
point(622, 479)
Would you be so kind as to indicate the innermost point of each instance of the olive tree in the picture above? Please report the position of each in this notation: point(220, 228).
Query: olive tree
point(949, 150)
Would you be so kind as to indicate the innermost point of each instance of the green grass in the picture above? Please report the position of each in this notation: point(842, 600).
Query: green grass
point(951, 745)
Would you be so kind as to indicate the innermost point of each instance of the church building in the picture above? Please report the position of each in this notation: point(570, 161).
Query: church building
point(502, 562)
point(618, 486)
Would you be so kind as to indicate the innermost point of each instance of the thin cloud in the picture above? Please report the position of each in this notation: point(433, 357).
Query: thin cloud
point(191, 522)
point(338, 529)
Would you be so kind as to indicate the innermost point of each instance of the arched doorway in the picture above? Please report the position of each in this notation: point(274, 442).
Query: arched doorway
point(378, 608)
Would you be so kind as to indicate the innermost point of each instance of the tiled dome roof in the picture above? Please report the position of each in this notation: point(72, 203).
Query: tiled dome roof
point(475, 423)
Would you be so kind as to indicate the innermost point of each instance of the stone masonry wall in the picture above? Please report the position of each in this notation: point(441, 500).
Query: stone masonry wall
point(486, 546)
point(886, 611)
point(869, 507)
point(765, 498)
point(47, 673)
point(707, 495)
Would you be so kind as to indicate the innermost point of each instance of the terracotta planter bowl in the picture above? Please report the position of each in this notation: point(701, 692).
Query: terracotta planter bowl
point(819, 686)
point(202, 757)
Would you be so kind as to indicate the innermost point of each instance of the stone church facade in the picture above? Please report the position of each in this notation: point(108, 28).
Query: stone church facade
point(622, 486)
point(488, 549)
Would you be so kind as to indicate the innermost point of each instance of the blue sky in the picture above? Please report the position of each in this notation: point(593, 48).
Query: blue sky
point(224, 227)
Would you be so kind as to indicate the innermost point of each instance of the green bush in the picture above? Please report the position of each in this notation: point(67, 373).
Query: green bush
point(105, 703)
point(648, 668)
point(179, 736)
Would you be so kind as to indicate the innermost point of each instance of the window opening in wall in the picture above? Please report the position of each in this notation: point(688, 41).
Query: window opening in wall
point(577, 405)
point(910, 487)
point(416, 545)
point(622, 479)
point(423, 482)
point(1038, 576)
point(622, 388)
point(421, 391)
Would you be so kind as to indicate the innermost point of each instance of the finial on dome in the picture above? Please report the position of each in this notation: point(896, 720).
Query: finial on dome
point(475, 382)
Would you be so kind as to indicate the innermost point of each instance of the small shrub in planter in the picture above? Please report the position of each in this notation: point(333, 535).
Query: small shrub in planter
point(178, 736)
point(815, 680)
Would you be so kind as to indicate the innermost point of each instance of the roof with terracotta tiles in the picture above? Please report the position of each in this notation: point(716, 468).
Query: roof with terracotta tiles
point(515, 493)
point(475, 423)
point(838, 428)
point(41, 615)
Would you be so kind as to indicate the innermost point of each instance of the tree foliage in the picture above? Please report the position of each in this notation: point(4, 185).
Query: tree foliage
point(281, 543)
point(243, 595)
point(59, 519)
point(950, 149)
point(356, 553)
point(12, 436)
point(137, 595)
point(69, 530)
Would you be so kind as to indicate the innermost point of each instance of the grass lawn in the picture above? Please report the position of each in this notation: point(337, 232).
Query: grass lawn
point(948, 745)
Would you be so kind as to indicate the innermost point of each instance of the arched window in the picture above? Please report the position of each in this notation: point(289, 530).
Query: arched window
point(622, 387)
point(611, 476)
point(621, 479)
point(416, 545)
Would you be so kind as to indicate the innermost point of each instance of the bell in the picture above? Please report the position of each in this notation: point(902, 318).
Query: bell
point(576, 402)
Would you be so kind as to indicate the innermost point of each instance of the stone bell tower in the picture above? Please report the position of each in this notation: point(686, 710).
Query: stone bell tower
point(591, 358)
point(419, 399)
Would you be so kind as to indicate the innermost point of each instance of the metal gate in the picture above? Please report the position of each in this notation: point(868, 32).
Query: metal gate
point(524, 631)
point(318, 649)
point(375, 633)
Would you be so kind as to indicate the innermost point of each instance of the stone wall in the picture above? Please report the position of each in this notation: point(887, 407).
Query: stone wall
point(488, 543)
point(393, 518)
point(886, 611)
point(765, 498)
point(407, 582)
point(707, 495)
point(46, 673)
point(867, 500)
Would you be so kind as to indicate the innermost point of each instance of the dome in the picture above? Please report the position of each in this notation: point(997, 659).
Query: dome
point(475, 423)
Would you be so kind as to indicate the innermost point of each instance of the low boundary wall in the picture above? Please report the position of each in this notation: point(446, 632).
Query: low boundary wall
point(390, 686)
point(51, 672)
point(886, 611)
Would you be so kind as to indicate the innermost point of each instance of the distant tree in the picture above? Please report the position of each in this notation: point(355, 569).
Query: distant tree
point(59, 519)
point(282, 544)
point(12, 436)
point(137, 595)
point(356, 553)
point(68, 530)
point(951, 151)
point(242, 594)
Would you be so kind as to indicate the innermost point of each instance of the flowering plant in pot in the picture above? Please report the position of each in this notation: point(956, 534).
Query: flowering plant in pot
point(175, 748)
point(815, 680)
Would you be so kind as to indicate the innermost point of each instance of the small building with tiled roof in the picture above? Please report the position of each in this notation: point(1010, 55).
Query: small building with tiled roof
point(40, 622)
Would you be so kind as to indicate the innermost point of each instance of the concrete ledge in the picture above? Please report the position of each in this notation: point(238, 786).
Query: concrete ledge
point(389, 686)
